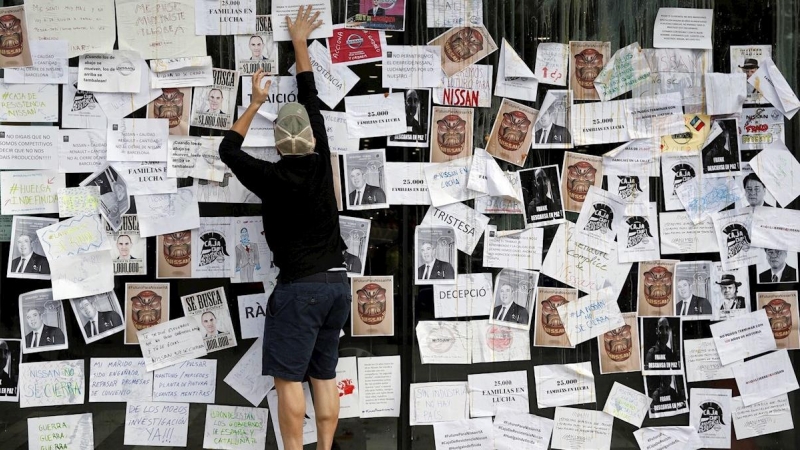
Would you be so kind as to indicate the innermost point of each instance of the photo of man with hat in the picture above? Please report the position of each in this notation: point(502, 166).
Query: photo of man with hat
point(750, 67)
point(730, 290)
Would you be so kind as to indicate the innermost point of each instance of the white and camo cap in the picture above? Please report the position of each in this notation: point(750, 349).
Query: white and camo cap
point(293, 133)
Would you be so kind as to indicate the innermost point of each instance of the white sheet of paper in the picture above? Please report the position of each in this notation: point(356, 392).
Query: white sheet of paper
point(406, 184)
point(601, 217)
point(171, 342)
point(496, 343)
point(443, 342)
point(119, 380)
point(627, 404)
point(552, 62)
point(470, 296)
point(333, 81)
point(118, 71)
point(495, 204)
point(627, 181)
point(347, 384)
point(78, 201)
point(510, 428)
point(637, 238)
point(765, 377)
point(775, 228)
point(144, 177)
point(28, 102)
point(438, 402)
point(87, 274)
point(193, 381)
point(156, 424)
point(476, 433)
point(564, 384)
point(677, 169)
point(599, 123)
point(117, 105)
point(375, 115)
point(411, 66)
point(138, 140)
point(235, 427)
point(591, 316)
point(683, 28)
point(771, 83)
point(30, 191)
point(447, 182)
point(168, 213)
point(725, 93)
point(446, 14)
point(514, 78)
point(702, 361)
point(246, 379)
point(252, 312)
point(578, 429)
point(487, 177)
point(733, 228)
point(491, 393)
point(468, 223)
point(18, 143)
point(181, 72)
point(668, 438)
point(769, 416)
point(73, 431)
point(338, 137)
point(521, 250)
point(655, 115)
point(703, 197)
point(680, 236)
point(82, 151)
point(50, 64)
point(470, 87)
point(289, 8)
point(63, 377)
point(638, 153)
point(779, 170)
point(86, 33)
point(220, 17)
point(379, 382)
point(626, 70)
point(156, 31)
point(710, 414)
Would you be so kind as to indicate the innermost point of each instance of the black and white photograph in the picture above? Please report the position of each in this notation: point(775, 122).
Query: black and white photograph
point(42, 321)
point(365, 179)
point(418, 119)
point(730, 292)
point(552, 126)
point(26, 258)
point(692, 288)
point(128, 248)
point(98, 316)
point(355, 233)
point(668, 395)
point(721, 156)
point(258, 50)
point(213, 106)
point(514, 298)
point(776, 266)
point(677, 168)
point(436, 255)
point(10, 357)
point(541, 194)
point(755, 192)
point(114, 198)
point(661, 345)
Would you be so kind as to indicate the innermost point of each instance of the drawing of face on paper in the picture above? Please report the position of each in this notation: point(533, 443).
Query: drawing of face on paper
point(588, 59)
point(373, 306)
point(549, 327)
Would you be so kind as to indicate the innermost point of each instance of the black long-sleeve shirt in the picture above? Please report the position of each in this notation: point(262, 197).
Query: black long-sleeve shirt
point(301, 220)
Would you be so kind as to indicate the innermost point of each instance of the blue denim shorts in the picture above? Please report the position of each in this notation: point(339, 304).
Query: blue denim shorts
point(302, 326)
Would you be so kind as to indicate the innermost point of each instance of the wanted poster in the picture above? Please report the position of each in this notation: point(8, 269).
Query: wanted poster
point(514, 298)
point(512, 132)
point(721, 156)
point(760, 127)
point(730, 292)
point(655, 296)
point(388, 15)
point(355, 233)
point(782, 312)
point(210, 248)
point(16, 45)
point(637, 238)
point(548, 328)
point(173, 104)
point(587, 59)
point(10, 357)
point(114, 198)
point(43, 324)
point(418, 119)
point(99, 315)
point(436, 255)
point(677, 168)
point(581, 171)
point(696, 129)
point(451, 135)
point(213, 106)
point(258, 50)
point(372, 307)
point(365, 179)
point(747, 59)
point(661, 340)
point(26, 257)
point(174, 255)
point(541, 194)
point(692, 290)
point(619, 349)
point(146, 305)
point(668, 393)
point(710, 415)
point(553, 124)
point(463, 46)
point(210, 309)
point(129, 251)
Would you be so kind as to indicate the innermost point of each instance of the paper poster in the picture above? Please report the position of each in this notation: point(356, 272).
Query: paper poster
point(26, 257)
point(554, 122)
point(733, 236)
point(210, 248)
point(375, 115)
point(235, 427)
point(221, 17)
point(703, 197)
point(776, 90)
point(196, 157)
point(436, 258)
point(432, 403)
point(591, 316)
point(350, 46)
point(668, 393)
point(251, 259)
point(672, 438)
point(678, 168)
point(744, 336)
point(30, 191)
point(63, 380)
point(171, 342)
point(637, 238)
point(173, 105)
point(376, 15)
point(443, 342)
point(17, 44)
point(773, 227)
point(470, 87)
point(355, 233)
point(462, 46)
point(661, 345)
point(514, 78)
point(86, 33)
point(746, 59)
point(443, 13)
point(680, 236)
point(702, 361)
point(599, 123)
point(333, 82)
point(766, 417)
point(600, 219)
point(67, 431)
point(477, 433)
point(212, 106)
point(514, 297)
point(587, 60)
point(365, 180)
point(564, 384)
point(541, 187)
point(347, 385)
point(191, 381)
point(781, 310)
point(497, 343)
point(776, 266)
point(628, 181)
point(119, 380)
point(638, 154)
point(725, 93)
point(79, 109)
point(471, 296)
point(282, 90)
point(138, 140)
point(181, 72)
point(379, 383)
point(28, 102)
point(118, 71)
point(174, 255)
point(117, 105)
point(493, 181)
point(692, 287)
point(33, 147)
point(619, 348)
point(767, 376)
point(776, 168)
point(245, 377)
point(552, 60)
point(10, 358)
point(258, 50)
point(655, 294)
point(549, 329)
point(625, 70)
point(418, 120)
point(453, 133)
point(78, 201)
point(490, 393)
point(146, 305)
point(655, 116)
point(291, 8)
point(128, 248)
point(99, 315)
point(373, 304)
point(627, 404)
point(447, 182)
point(581, 171)
point(577, 429)
point(156, 424)
point(521, 250)
point(159, 31)
point(683, 28)
point(252, 312)
point(511, 428)
point(145, 177)
point(759, 127)
point(114, 199)
point(168, 213)
point(468, 223)
point(512, 132)
point(210, 310)
point(410, 67)
point(721, 156)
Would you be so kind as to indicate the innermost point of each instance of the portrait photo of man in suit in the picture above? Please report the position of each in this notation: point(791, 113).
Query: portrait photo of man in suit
point(209, 321)
point(432, 268)
point(779, 271)
point(96, 322)
point(363, 193)
point(40, 335)
point(754, 190)
point(689, 304)
point(376, 10)
point(730, 290)
point(124, 244)
point(507, 309)
point(214, 100)
point(256, 45)
point(28, 261)
point(550, 132)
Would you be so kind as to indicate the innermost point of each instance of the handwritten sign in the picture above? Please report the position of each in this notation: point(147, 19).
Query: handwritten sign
point(138, 140)
point(447, 182)
point(438, 402)
point(88, 26)
point(51, 383)
point(30, 191)
point(235, 427)
point(119, 380)
point(246, 379)
point(552, 60)
point(156, 424)
point(159, 30)
point(190, 381)
point(471, 87)
point(627, 404)
point(72, 431)
point(74, 236)
point(77, 201)
point(625, 70)
point(591, 316)
point(28, 147)
point(171, 342)
point(468, 223)
point(471, 296)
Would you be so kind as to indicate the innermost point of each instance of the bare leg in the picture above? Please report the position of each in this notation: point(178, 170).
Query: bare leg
point(291, 412)
point(326, 406)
